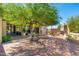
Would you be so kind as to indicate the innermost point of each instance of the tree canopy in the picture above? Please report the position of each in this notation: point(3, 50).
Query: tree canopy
point(20, 14)
point(73, 24)
point(1, 10)
point(44, 13)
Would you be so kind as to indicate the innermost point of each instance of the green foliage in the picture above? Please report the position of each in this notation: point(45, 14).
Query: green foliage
point(6, 38)
point(71, 38)
point(73, 24)
point(20, 14)
point(44, 13)
point(1, 10)
point(32, 14)
point(13, 14)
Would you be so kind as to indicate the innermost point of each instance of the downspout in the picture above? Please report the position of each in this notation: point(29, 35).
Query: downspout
point(0, 30)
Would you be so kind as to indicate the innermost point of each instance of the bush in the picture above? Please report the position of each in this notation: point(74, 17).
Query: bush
point(6, 38)
point(70, 37)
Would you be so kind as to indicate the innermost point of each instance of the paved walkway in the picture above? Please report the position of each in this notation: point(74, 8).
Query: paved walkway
point(47, 47)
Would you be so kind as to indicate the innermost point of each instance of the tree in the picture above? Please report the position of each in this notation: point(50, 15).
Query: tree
point(13, 14)
point(73, 23)
point(34, 15)
point(1, 10)
point(39, 12)
point(43, 13)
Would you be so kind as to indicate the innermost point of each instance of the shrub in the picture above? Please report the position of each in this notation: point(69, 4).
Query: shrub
point(6, 38)
point(70, 37)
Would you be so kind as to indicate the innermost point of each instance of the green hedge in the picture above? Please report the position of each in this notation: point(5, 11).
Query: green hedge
point(6, 38)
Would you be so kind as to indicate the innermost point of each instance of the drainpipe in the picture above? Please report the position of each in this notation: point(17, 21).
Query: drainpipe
point(0, 30)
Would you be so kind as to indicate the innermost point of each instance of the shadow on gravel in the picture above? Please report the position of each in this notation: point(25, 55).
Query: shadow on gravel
point(2, 51)
point(48, 47)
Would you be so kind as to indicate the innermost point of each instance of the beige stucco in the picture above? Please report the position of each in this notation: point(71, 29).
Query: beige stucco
point(4, 28)
point(43, 30)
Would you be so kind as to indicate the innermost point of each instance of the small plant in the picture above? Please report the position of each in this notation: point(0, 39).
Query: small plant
point(70, 38)
point(6, 38)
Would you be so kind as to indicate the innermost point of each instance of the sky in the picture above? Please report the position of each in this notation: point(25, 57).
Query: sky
point(67, 10)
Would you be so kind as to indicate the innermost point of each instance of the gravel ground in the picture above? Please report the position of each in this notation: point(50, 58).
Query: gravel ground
point(46, 47)
point(2, 51)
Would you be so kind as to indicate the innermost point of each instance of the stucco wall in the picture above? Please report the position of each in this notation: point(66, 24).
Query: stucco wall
point(43, 30)
point(4, 28)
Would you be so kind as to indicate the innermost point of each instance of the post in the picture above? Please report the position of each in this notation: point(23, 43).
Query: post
point(68, 30)
point(4, 28)
point(0, 30)
point(40, 31)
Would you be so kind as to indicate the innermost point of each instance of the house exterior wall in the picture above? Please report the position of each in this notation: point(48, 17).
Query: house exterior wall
point(43, 30)
point(4, 28)
point(64, 29)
